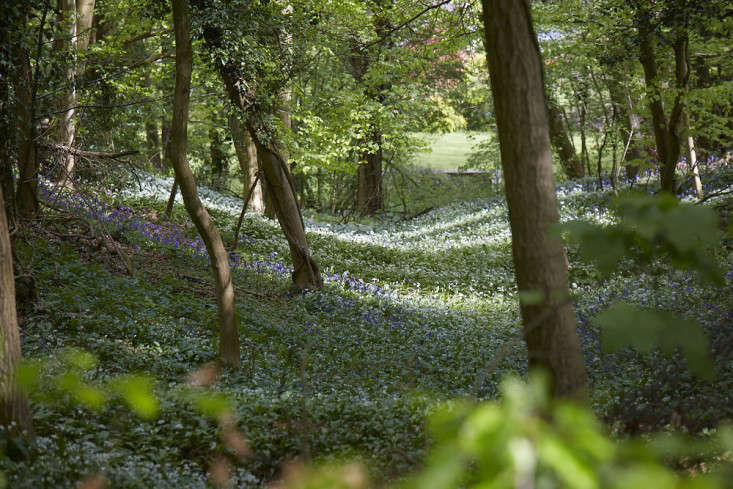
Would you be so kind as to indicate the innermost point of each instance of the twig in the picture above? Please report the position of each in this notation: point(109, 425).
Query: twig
point(86, 154)
point(714, 194)
point(244, 209)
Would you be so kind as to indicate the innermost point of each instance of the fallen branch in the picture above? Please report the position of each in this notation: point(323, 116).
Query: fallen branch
point(421, 213)
point(86, 154)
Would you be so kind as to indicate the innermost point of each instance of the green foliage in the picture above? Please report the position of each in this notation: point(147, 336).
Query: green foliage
point(625, 325)
point(525, 440)
point(649, 227)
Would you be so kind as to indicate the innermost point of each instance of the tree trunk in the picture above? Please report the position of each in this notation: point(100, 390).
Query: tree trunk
point(247, 157)
point(522, 120)
point(229, 338)
point(630, 131)
point(7, 181)
point(77, 16)
point(369, 198)
point(13, 404)
point(666, 132)
point(218, 159)
point(27, 193)
point(171, 199)
point(691, 155)
point(306, 274)
point(571, 163)
point(153, 142)
point(280, 188)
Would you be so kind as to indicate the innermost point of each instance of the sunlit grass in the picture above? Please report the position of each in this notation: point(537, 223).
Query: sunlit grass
point(448, 151)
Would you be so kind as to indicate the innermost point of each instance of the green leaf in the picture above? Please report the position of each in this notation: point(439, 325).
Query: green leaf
point(560, 457)
point(80, 359)
point(28, 375)
point(212, 404)
point(626, 325)
point(137, 392)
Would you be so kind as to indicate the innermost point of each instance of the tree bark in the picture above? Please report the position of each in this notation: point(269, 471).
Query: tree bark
point(218, 160)
point(667, 134)
point(273, 170)
point(247, 157)
point(27, 192)
point(13, 404)
point(691, 155)
point(281, 189)
point(229, 338)
point(153, 142)
point(77, 15)
point(522, 120)
point(369, 198)
point(306, 274)
point(569, 160)
point(630, 130)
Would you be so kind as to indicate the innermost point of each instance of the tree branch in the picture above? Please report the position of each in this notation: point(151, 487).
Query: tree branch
point(86, 154)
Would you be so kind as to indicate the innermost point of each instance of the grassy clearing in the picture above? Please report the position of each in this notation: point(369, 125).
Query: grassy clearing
point(448, 151)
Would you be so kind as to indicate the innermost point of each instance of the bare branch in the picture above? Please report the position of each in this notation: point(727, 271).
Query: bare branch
point(86, 154)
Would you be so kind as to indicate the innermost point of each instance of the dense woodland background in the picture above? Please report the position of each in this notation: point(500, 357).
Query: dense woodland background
point(366, 243)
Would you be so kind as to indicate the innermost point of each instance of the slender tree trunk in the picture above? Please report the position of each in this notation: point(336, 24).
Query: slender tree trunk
point(247, 157)
point(171, 199)
point(630, 127)
point(153, 142)
point(279, 186)
point(583, 138)
point(571, 164)
point(522, 120)
point(13, 404)
point(165, 131)
point(218, 160)
point(7, 182)
point(229, 338)
point(691, 155)
point(306, 274)
point(27, 192)
point(77, 15)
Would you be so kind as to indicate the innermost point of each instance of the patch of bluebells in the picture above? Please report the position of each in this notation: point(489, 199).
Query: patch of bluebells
point(168, 235)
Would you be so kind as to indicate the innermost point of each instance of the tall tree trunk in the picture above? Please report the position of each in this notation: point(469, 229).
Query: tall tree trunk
point(630, 127)
point(7, 181)
point(522, 120)
point(273, 170)
point(229, 337)
point(666, 131)
point(13, 404)
point(560, 138)
point(280, 184)
point(153, 142)
point(218, 159)
point(77, 16)
point(27, 193)
point(691, 155)
point(165, 133)
point(582, 110)
point(247, 157)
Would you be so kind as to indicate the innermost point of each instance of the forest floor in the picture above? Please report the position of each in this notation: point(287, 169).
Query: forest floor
point(413, 312)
